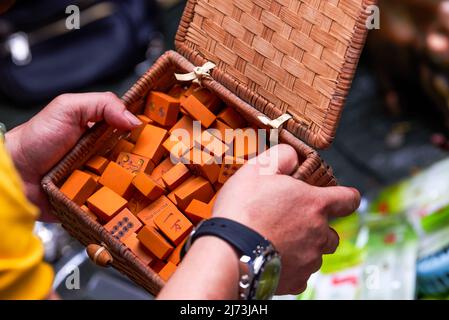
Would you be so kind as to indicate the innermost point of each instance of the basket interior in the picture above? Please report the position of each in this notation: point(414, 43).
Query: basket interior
point(101, 139)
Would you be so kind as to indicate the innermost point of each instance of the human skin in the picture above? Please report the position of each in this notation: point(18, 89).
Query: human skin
point(261, 195)
point(291, 214)
point(38, 144)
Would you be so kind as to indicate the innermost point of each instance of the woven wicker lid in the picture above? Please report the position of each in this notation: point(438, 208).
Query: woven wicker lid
point(281, 56)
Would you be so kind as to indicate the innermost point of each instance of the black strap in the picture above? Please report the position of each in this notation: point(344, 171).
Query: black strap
point(244, 240)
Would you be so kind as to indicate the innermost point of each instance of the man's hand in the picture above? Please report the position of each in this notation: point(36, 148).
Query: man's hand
point(37, 145)
point(289, 213)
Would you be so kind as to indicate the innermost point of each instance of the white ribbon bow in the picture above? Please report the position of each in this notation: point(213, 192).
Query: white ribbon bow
point(276, 124)
point(198, 73)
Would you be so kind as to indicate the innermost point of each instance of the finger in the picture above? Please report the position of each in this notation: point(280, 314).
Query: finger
point(37, 195)
point(94, 107)
point(332, 242)
point(280, 159)
point(338, 201)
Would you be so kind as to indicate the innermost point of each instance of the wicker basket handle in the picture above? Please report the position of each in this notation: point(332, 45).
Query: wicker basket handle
point(99, 255)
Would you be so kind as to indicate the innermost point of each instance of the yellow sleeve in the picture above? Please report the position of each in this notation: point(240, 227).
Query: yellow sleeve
point(23, 275)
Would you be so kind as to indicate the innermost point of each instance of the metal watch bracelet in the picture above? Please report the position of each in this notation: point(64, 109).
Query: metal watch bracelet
point(253, 250)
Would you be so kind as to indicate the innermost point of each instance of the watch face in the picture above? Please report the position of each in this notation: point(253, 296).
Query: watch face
point(269, 279)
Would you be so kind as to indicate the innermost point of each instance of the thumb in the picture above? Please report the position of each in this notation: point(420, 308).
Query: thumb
point(338, 201)
point(80, 109)
point(280, 159)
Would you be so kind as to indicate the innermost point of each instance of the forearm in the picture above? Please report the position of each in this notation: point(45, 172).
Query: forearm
point(209, 271)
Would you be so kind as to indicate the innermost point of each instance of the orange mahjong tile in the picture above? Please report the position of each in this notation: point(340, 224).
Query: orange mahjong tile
point(212, 201)
point(232, 118)
point(185, 122)
point(245, 143)
point(175, 148)
point(175, 256)
point(203, 164)
point(117, 179)
point(121, 146)
point(123, 225)
point(97, 164)
point(210, 100)
point(79, 186)
point(162, 108)
point(222, 131)
point(155, 242)
point(158, 265)
point(209, 168)
point(139, 250)
point(188, 92)
point(149, 144)
point(162, 168)
point(135, 163)
point(89, 212)
point(183, 131)
point(174, 225)
point(197, 188)
point(94, 176)
point(147, 186)
point(211, 145)
point(198, 111)
point(154, 209)
point(167, 271)
point(177, 91)
point(105, 203)
point(137, 202)
point(135, 133)
point(171, 195)
point(229, 166)
point(197, 211)
point(174, 177)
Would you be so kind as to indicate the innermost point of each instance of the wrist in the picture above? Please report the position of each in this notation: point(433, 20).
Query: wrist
point(208, 243)
point(222, 257)
point(258, 261)
point(13, 144)
point(251, 221)
point(208, 272)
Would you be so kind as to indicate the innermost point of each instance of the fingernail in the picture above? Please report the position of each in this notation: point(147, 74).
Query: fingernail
point(132, 118)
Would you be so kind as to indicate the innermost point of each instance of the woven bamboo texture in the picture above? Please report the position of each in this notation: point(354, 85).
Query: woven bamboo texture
point(102, 138)
point(281, 56)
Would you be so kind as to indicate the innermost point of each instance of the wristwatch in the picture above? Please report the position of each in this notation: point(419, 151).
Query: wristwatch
point(260, 263)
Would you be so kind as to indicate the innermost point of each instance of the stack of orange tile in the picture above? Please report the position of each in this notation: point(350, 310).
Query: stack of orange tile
point(161, 180)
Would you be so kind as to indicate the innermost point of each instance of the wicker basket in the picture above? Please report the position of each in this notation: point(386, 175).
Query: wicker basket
point(273, 57)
